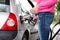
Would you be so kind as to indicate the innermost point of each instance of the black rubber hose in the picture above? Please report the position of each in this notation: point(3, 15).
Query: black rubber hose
point(31, 3)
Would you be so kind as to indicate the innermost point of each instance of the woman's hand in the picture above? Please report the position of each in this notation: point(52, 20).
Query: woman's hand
point(34, 9)
point(34, 21)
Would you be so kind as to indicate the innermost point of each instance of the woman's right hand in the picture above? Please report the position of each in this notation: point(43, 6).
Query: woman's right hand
point(34, 9)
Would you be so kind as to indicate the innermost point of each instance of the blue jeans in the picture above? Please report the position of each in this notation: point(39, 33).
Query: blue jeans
point(44, 20)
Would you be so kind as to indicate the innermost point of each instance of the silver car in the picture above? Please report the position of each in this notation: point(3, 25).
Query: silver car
point(15, 17)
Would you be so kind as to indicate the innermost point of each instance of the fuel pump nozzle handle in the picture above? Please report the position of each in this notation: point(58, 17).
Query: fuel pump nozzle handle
point(30, 3)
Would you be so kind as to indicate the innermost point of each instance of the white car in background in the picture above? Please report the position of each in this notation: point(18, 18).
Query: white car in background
point(14, 20)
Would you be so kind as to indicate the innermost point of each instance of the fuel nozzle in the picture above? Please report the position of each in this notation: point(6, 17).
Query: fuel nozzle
point(21, 19)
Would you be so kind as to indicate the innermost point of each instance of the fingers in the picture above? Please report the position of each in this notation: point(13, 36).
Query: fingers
point(33, 11)
point(33, 22)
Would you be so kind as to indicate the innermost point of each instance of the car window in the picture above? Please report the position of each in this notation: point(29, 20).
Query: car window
point(4, 7)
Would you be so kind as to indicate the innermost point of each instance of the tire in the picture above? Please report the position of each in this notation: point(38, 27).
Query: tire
point(25, 37)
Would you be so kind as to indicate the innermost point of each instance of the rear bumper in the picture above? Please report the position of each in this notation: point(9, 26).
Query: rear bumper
point(7, 35)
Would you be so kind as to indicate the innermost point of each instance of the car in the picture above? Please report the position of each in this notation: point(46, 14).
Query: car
point(15, 20)
point(8, 21)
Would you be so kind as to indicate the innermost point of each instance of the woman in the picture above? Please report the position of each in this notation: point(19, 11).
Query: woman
point(45, 11)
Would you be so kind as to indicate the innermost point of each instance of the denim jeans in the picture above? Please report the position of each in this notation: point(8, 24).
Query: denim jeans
point(44, 21)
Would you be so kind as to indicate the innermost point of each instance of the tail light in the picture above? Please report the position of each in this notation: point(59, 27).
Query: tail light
point(11, 23)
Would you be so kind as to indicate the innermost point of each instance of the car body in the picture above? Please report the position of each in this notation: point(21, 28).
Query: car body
point(12, 21)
